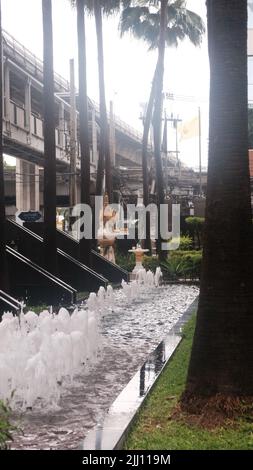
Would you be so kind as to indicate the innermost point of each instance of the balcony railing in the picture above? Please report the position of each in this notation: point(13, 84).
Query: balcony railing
point(28, 57)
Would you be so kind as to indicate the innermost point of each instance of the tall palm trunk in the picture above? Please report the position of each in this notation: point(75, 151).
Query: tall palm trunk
point(146, 129)
point(4, 284)
point(104, 147)
point(85, 245)
point(222, 354)
point(158, 116)
point(50, 247)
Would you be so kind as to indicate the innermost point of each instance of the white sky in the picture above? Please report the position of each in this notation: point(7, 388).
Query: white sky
point(129, 66)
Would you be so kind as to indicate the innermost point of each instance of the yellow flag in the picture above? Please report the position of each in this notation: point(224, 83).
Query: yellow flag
point(189, 129)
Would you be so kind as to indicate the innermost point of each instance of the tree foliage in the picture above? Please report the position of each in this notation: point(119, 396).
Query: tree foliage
point(143, 22)
point(109, 7)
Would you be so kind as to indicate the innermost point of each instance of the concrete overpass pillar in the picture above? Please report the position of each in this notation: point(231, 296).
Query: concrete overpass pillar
point(7, 108)
point(35, 187)
point(112, 135)
point(94, 138)
point(61, 124)
point(28, 108)
point(27, 186)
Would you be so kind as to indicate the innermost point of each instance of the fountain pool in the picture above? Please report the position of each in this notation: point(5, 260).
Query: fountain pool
point(129, 329)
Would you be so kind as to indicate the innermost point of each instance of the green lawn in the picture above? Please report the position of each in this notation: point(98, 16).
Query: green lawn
point(154, 430)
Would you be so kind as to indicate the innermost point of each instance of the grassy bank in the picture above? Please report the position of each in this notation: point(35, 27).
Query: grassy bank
point(155, 430)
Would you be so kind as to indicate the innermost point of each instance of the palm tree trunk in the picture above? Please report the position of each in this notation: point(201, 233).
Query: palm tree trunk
point(85, 245)
point(158, 117)
point(222, 354)
point(50, 247)
point(4, 284)
point(145, 170)
point(104, 147)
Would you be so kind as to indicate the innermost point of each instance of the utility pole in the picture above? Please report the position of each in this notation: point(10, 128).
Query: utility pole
point(175, 121)
point(171, 96)
point(73, 138)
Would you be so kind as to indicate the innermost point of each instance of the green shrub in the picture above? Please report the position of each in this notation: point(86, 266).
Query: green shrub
point(192, 265)
point(180, 264)
point(6, 427)
point(195, 225)
point(36, 308)
point(183, 264)
point(126, 262)
point(186, 243)
point(180, 253)
point(195, 221)
point(172, 268)
point(150, 262)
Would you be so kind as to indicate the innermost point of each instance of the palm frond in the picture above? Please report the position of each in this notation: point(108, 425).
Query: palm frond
point(193, 27)
point(109, 7)
point(140, 23)
point(143, 22)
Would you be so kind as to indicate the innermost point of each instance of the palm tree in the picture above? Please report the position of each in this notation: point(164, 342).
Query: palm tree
point(83, 105)
point(222, 353)
point(159, 24)
point(100, 8)
point(104, 154)
point(3, 259)
point(85, 245)
point(157, 116)
point(104, 147)
point(50, 246)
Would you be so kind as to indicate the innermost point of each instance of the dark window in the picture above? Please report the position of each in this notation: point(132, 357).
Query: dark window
point(15, 115)
point(34, 125)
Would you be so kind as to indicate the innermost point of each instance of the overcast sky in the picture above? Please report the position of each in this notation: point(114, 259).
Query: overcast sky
point(129, 66)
